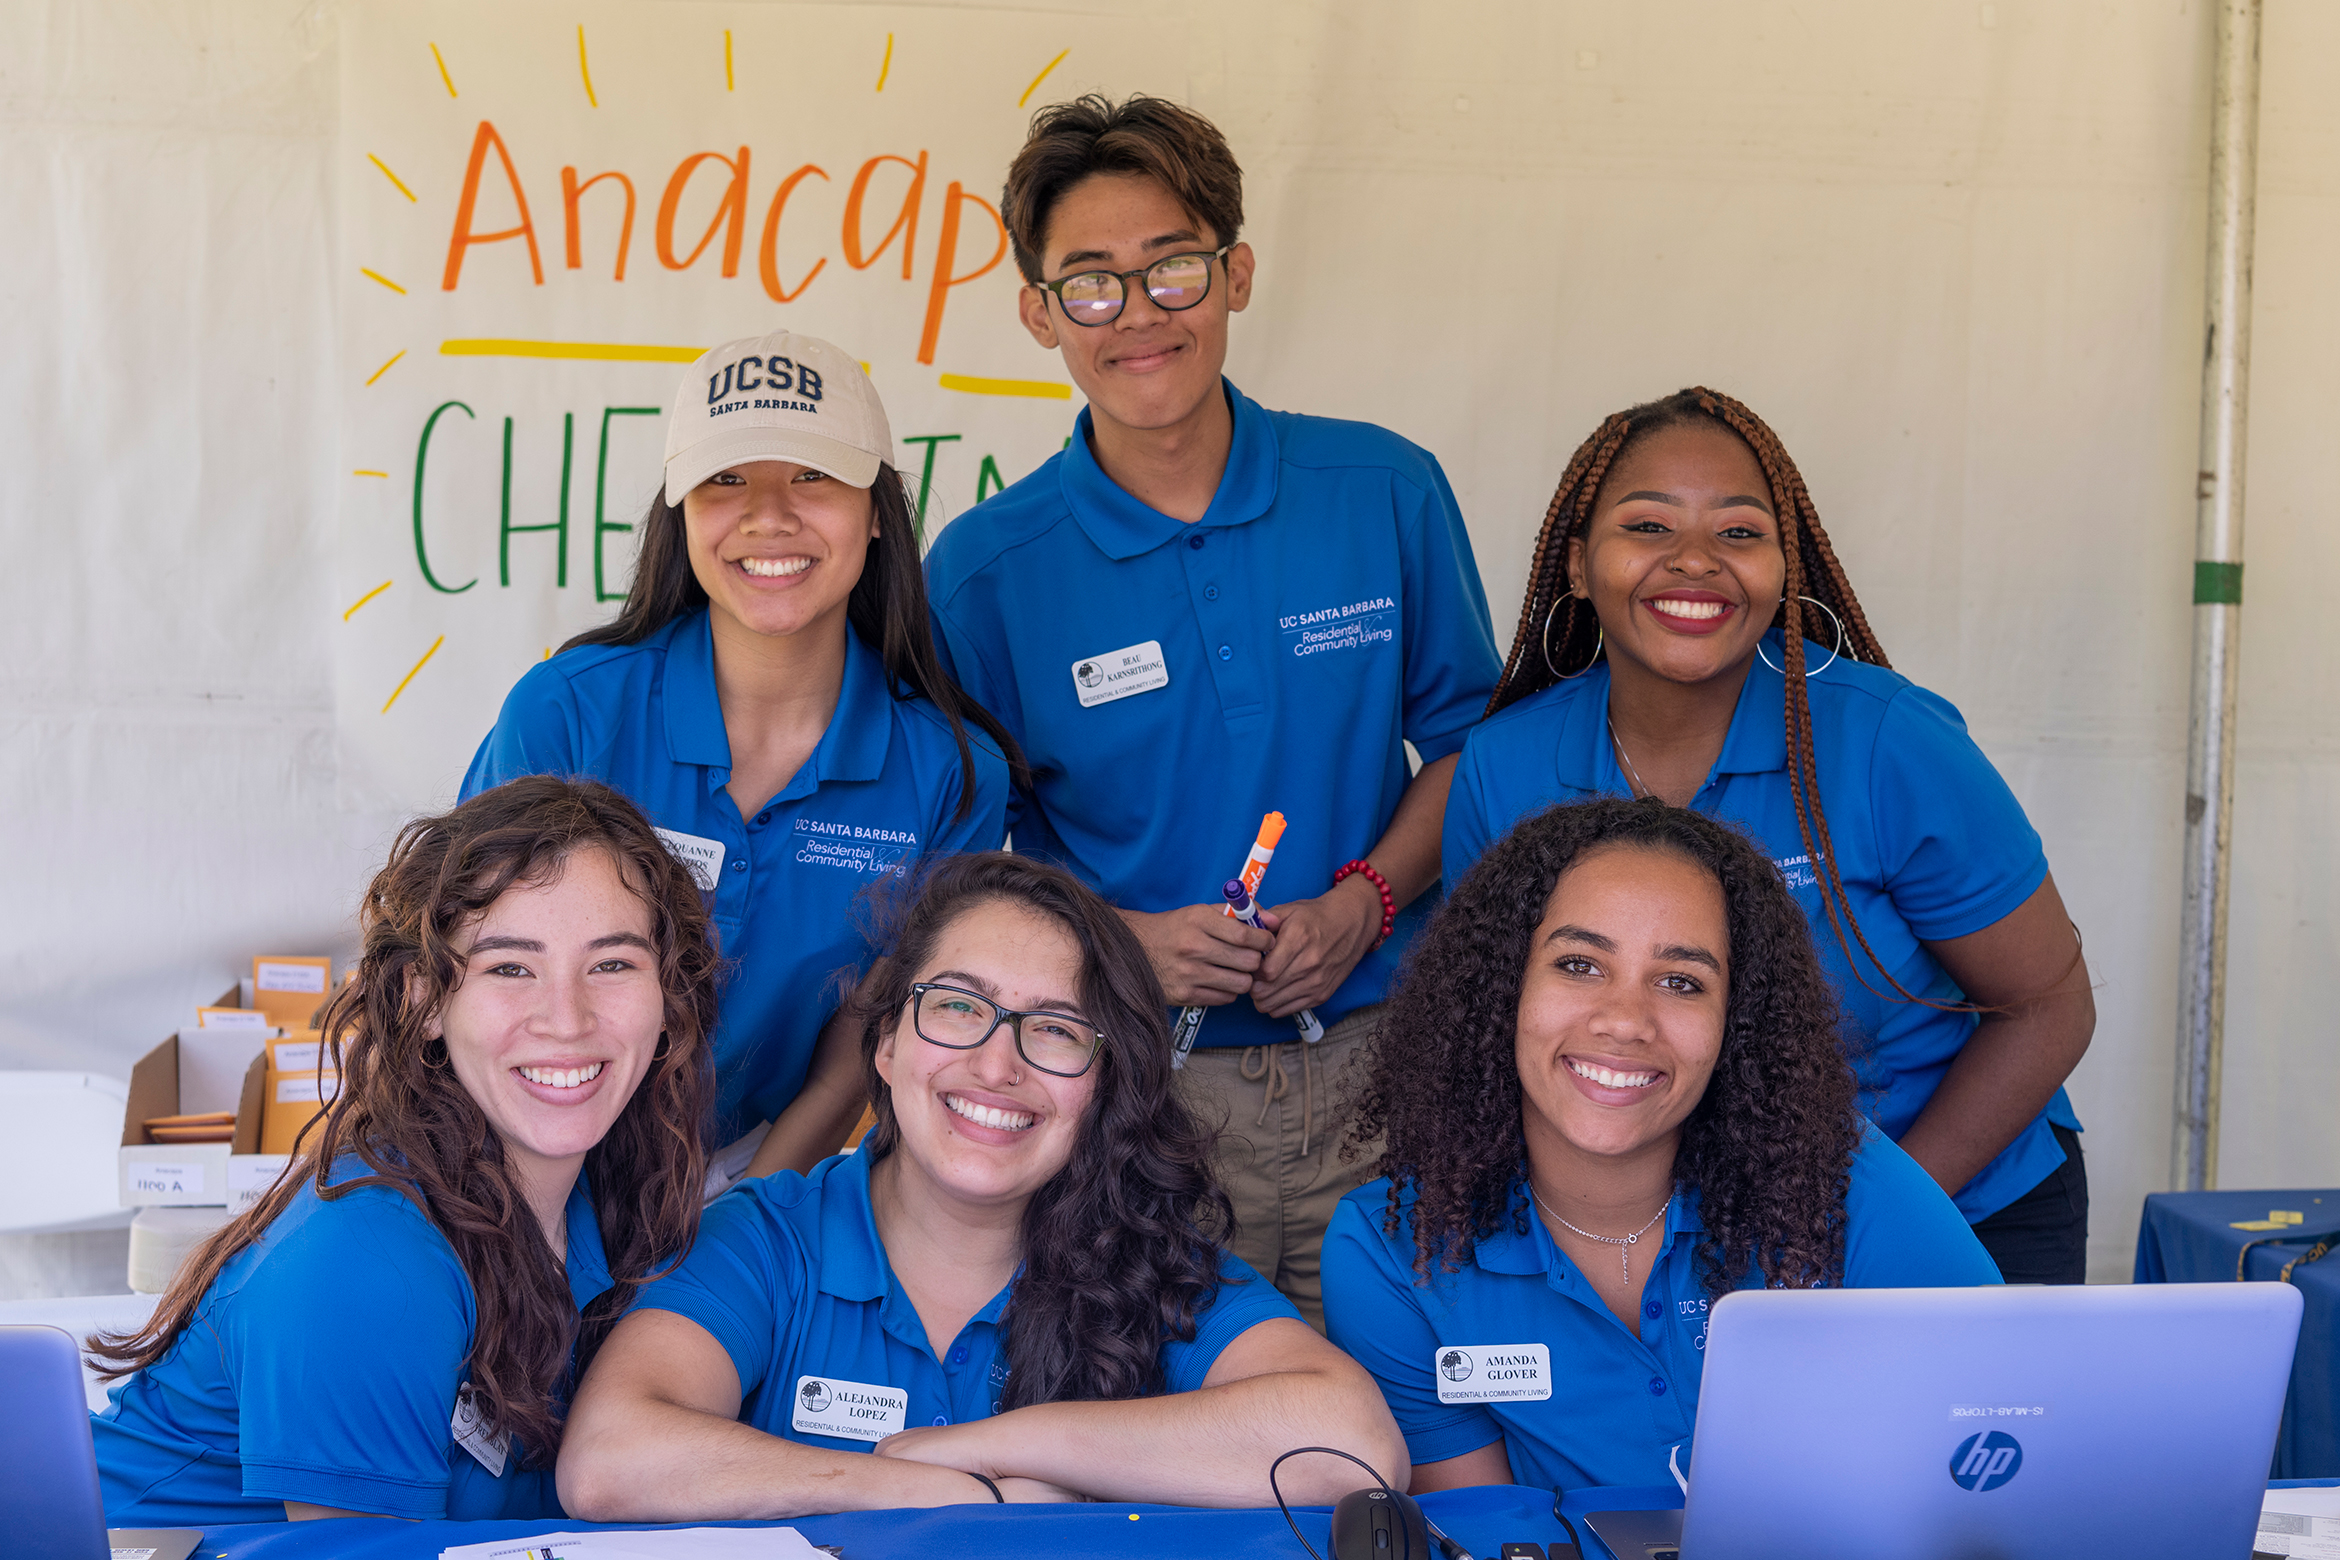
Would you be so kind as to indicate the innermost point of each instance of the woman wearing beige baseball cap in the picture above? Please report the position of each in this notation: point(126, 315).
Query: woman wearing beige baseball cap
point(771, 695)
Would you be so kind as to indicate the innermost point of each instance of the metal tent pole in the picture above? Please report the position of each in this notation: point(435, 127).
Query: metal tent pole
point(2218, 567)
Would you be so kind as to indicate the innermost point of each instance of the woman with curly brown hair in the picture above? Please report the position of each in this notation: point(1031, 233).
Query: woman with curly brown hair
point(1614, 1092)
point(1017, 1289)
point(1689, 634)
point(395, 1327)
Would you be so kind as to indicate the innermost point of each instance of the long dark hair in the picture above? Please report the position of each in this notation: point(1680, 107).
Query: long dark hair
point(887, 609)
point(1768, 1148)
point(403, 1113)
point(1558, 628)
point(1121, 1246)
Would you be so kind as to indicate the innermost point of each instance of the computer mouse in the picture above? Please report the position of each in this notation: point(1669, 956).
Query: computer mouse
point(1378, 1525)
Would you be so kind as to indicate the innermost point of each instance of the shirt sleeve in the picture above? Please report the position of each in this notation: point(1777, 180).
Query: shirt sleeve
point(1467, 832)
point(1244, 1301)
point(1376, 1313)
point(1451, 662)
point(317, 1420)
point(1956, 850)
point(1902, 1231)
point(985, 826)
point(741, 1277)
point(536, 733)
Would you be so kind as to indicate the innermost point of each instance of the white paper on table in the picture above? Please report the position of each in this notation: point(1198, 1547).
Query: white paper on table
point(702, 1543)
point(2296, 1523)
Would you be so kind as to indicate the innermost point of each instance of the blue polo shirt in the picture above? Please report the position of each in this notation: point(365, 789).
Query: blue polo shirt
point(878, 792)
point(790, 1277)
point(1621, 1398)
point(1323, 612)
point(1930, 845)
point(322, 1366)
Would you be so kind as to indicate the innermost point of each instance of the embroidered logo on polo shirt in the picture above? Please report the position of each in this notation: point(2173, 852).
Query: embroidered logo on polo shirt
point(1360, 625)
point(855, 847)
point(855, 1410)
point(1797, 870)
point(1493, 1373)
point(1116, 674)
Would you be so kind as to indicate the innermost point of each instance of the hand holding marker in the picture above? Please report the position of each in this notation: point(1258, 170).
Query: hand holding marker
point(1244, 908)
point(1263, 850)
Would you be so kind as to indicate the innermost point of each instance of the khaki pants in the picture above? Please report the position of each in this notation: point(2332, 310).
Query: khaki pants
point(1282, 1113)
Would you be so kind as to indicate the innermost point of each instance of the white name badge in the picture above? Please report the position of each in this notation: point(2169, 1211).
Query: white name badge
point(489, 1448)
point(703, 856)
point(1100, 679)
point(855, 1410)
point(1493, 1373)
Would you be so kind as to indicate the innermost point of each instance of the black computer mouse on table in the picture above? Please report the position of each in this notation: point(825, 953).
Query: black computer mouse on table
point(1379, 1525)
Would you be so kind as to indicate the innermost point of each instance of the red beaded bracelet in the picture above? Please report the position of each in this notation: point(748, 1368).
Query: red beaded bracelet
point(1364, 869)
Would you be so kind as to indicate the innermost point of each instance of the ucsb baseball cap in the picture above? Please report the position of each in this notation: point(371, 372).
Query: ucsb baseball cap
point(776, 397)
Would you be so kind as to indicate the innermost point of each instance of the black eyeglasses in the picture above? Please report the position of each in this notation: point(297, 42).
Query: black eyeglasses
point(1174, 282)
point(960, 1020)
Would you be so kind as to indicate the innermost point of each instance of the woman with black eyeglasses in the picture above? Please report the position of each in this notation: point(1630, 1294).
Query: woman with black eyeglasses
point(1016, 1289)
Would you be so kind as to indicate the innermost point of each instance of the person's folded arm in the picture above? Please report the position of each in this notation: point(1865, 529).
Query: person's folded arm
point(1276, 1387)
point(654, 1436)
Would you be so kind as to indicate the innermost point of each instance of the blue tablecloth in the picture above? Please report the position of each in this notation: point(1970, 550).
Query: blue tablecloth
point(2189, 1237)
point(1481, 1520)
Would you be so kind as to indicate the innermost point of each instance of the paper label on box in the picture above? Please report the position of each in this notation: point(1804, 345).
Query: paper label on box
point(304, 978)
point(855, 1410)
point(298, 1056)
point(703, 856)
point(231, 1018)
point(318, 1088)
point(149, 1179)
point(1493, 1373)
point(249, 1176)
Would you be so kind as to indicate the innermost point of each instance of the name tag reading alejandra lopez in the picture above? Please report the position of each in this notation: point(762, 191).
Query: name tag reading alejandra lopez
point(1493, 1373)
point(855, 1410)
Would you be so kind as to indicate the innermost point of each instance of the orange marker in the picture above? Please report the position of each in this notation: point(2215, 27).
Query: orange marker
point(1255, 865)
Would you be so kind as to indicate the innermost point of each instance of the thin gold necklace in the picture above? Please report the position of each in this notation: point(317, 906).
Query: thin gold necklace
point(1623, 1243)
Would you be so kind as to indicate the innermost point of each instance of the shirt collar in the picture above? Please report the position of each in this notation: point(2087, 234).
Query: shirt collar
point(1122, 527)
point(1755, 744)
point(852, 748)
point(588, 1264)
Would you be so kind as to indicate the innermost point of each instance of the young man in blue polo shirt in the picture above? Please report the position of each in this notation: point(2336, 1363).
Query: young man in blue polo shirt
point(1200, 612)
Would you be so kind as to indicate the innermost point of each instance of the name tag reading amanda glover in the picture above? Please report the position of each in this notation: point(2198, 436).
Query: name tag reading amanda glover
point(1493, 1373)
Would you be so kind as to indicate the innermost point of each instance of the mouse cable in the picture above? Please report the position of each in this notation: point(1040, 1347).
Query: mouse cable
point(1329, 1451)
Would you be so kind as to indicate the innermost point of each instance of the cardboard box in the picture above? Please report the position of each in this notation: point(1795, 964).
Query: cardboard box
point(290, 988)
point(197, 1070)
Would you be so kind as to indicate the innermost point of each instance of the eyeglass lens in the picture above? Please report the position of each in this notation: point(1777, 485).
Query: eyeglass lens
point(1175, 283)
point(1049, 1041)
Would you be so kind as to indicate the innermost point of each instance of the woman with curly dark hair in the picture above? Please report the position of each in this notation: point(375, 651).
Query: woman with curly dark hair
point(1613, 1091)
point(1015, 1290)
point(394, 1328)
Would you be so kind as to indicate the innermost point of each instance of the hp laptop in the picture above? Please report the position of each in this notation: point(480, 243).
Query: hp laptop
point(2025, 1423)
point(49, 1506)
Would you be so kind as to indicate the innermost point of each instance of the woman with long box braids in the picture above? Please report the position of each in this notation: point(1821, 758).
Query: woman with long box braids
point(1689, 634)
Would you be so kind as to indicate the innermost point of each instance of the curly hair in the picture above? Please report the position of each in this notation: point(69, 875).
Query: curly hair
point(1768, 1148)
point(406, 1117)
point(1121, 1246)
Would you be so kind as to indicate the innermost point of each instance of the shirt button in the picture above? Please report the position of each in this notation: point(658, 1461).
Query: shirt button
point(1226, 652)
point(959, 1356)
point(739, 866)
point(1195, 542)
point(942, 1419)
point(763, 817)
point(1210, 593)
point(1657, 1386)
point(1652, 1310)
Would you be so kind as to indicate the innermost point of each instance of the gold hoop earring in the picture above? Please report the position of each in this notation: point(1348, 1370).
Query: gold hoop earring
point(1599, 641)
point(1810, 671)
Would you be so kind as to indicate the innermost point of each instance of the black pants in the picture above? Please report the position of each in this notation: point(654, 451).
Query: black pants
point(2042, 1236)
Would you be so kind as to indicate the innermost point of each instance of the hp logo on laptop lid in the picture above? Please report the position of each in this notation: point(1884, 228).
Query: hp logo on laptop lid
point(1986, 1461)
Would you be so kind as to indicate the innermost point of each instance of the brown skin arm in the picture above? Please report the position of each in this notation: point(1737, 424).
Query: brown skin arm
point(1490, 1464)
point(2029, 965)
point(1320, 940)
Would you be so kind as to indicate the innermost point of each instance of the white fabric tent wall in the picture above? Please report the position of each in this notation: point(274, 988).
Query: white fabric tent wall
point(1953, 252)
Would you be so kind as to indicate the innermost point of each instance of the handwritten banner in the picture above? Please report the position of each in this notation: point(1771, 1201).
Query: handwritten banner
point(546, 213)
